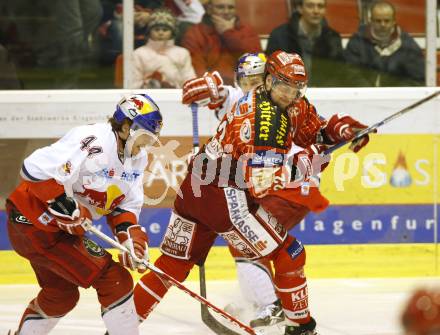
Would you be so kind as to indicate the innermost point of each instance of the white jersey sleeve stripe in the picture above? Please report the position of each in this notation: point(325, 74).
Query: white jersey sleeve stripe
point(26, 175)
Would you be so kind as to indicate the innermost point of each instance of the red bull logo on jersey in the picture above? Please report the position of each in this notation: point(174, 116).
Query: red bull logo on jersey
point(104, 202)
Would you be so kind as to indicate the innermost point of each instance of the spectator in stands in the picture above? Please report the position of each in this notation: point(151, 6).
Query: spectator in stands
point(111, 32)
point(218, 41)
point(389, 56)
point(111, 29)
point(188, 12)
point(8, 74)
point(308, 34)
point(438, 18)
point(160, 63)
point(52, 42)
point(68, 48)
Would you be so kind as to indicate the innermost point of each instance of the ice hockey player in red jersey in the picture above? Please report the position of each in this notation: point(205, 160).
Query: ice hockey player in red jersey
point(254, 156)
point(94, 170)
point(254, 276)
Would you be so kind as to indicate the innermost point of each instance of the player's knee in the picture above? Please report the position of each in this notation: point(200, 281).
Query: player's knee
point(115, 283)
point(57, 302)
point(176, 268)
point(290, 258)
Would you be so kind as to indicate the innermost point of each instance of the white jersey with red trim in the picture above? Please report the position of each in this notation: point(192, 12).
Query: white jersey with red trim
point(86, 162)
point(234, 94)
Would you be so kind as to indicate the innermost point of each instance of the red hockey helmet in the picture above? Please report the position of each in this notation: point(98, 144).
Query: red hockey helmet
point(289, 69)
point(422, 313)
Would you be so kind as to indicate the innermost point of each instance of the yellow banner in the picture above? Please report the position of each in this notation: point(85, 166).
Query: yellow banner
point(391, 169)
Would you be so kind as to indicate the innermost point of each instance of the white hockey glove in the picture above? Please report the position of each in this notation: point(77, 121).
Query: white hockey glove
point(69, 214)
point(134, 238)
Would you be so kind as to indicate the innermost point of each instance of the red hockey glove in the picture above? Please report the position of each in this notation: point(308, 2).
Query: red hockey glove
point(134, 238)
point(69, 214)
point(309, 162)
point(342, 127)
point(205, 91)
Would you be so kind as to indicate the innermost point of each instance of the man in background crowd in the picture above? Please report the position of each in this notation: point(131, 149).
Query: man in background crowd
point(385, 54)
point(217, 41)
point(308, 34)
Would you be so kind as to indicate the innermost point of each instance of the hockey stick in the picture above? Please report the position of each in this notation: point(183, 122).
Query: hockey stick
point(89, 227)
point(207, 318)
point(381, 123)
point(195, 124)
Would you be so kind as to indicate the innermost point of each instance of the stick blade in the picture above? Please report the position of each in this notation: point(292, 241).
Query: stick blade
point(208, 319)
point(215, 325)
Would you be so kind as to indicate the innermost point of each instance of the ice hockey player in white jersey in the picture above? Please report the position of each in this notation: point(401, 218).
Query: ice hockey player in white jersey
point(209, 90)
point(94, 170)
point(255, 277)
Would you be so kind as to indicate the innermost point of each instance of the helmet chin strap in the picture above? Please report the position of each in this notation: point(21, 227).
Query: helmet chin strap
point(129, 142)
point(120, 146)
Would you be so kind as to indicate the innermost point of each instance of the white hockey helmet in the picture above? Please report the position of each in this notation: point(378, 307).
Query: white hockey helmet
point(142, 110)
point(250, 64)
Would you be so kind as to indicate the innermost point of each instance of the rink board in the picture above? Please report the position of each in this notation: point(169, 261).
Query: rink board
point(323, 261)
point(374, 241)
point(339, 224)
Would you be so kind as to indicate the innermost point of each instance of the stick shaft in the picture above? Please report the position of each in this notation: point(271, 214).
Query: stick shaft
point(384, 121)
point(207, 318)
point(195, 124)
point(175, 282)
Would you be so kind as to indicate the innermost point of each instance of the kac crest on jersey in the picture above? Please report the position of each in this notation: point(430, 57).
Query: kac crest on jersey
point(93, 248)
